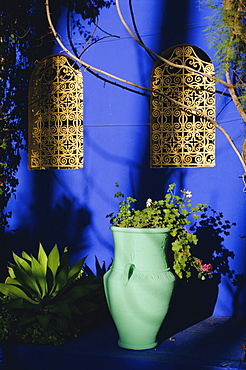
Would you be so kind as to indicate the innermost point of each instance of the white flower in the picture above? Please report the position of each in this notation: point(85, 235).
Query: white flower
point(188, 194)
point(148, 203)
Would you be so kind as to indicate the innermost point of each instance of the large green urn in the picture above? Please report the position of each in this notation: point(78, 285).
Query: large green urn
point(139, 285)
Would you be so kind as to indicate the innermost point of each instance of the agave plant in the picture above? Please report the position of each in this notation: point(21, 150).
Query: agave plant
point(45, 288)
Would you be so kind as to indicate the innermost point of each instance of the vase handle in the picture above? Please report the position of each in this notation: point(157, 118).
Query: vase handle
point(128, 271)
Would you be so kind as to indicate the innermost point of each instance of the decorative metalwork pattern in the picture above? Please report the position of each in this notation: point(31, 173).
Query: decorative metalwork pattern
point(181, 137)
point(56, 114)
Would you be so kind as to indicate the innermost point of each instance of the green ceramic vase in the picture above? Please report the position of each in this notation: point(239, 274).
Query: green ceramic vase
point(139, 285)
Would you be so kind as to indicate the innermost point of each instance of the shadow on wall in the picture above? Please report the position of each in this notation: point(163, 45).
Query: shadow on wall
point(195, 300)
point(51, 219)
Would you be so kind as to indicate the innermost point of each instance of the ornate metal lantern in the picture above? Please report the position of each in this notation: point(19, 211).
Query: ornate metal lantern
point(181, 137)
point(55, 137)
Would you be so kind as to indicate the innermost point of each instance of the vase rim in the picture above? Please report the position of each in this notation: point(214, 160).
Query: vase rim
point(140, 230)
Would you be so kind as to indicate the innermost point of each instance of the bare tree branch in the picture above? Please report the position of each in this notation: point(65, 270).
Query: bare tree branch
point(87, 66)
point(136, 29)
point(163, 59)
point(228, 84)
point(235, 98)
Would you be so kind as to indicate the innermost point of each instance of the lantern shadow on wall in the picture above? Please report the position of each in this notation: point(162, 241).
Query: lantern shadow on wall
point(195, 300)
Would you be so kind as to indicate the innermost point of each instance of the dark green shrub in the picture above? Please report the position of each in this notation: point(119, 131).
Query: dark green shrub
point(45, 300)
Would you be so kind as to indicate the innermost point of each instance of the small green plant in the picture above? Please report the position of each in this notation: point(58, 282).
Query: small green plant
point(12, 332)
point(45, 290)
point(173, 212)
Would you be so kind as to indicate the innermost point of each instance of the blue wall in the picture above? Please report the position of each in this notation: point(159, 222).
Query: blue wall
point(68, 207)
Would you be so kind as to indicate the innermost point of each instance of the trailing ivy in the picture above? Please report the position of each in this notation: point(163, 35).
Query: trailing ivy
point(226, 34)
point(173, 212)
point(19, 38)
point(11, 134)
point(23, 39)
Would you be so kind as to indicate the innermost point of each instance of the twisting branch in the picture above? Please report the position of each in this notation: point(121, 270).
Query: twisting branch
point(235, 98)
point(163, 59)
point(216, 125)
point(228, 84)
point(136, 29)
point(90, 70)
point(88, 66)
point(90, 38)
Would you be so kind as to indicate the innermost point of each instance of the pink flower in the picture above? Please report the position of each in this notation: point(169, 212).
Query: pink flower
point(207, 267)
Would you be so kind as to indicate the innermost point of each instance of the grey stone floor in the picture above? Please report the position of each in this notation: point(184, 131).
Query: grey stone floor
point(212, 344)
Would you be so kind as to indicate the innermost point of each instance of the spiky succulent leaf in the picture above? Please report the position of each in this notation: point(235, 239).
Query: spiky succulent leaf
point(26, 280)
point(11, 272)
point(64, 263)
point(39, 276)
point(20, 303)
point(50, 280)
point(76, 292)
point(74, 309)
point(54, 260)
point(44, 320)
point(15, 292)
point(75, 270)
point(12, 281)
point(26, 256)
point(22, 263)
point(62, 271)
point(43, 288)
point(61, 279)
point(62, 309)
point(42, 258)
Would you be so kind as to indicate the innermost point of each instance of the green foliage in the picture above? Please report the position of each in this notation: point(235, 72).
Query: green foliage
point(16, 33)
point(172, 212)
point(93, 309)
point(226, 34)
point(45, 290)
point(11, 332)
point(23, 40)
point(87, 9)
point(211, 230)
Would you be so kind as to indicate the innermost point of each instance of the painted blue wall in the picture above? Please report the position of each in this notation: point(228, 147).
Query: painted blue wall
point(68, 207)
